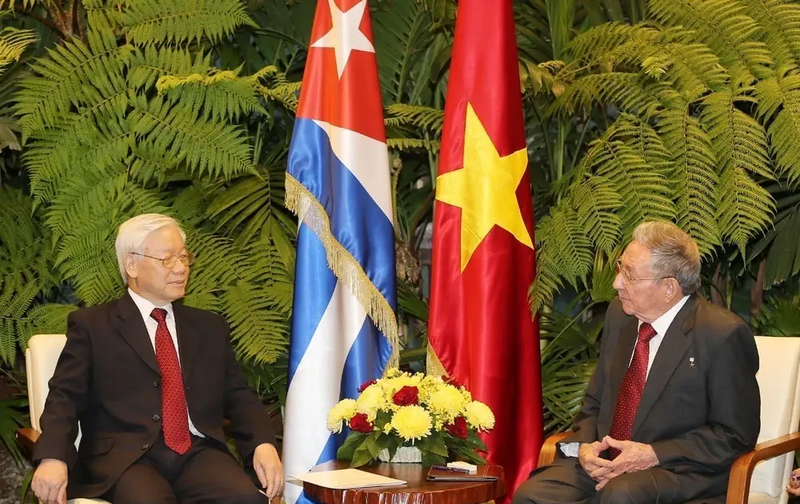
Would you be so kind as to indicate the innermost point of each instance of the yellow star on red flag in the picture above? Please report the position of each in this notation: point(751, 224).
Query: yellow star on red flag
point(485, 189)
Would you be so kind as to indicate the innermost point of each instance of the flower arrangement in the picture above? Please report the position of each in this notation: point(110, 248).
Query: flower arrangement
point(405, 410)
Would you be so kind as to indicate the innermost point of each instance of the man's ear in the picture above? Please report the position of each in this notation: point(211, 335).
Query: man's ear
point(673, 289)
point(131, 266)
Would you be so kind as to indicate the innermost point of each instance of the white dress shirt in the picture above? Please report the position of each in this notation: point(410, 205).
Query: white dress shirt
point(661, 325)
point(146, 308)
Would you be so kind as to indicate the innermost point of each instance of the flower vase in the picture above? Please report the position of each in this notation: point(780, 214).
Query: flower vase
point(403, 455)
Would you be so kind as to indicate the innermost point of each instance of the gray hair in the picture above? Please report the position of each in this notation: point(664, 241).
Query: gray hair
point(134, 231)
point(674, 253)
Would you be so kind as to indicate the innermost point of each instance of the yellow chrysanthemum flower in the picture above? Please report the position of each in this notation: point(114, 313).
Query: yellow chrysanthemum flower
point(447, 402)
point(427, 386)
point(412, 422)
point(479, 416)
point(387, 428)
point(344, 410)
point(370, 401)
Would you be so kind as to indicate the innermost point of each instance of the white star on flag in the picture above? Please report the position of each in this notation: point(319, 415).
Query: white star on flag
point(344, 36)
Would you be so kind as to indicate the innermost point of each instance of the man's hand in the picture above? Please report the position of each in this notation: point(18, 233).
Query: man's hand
point(633, 457)
point(592, 463)
point(269, 469)
point(794, 483)
point(50, 482)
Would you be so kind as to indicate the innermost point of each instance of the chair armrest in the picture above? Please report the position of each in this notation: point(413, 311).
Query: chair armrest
point(27, 438)
point(742, 470)
point(548, 452)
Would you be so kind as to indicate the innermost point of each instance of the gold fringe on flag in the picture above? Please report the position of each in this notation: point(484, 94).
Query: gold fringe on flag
point(303, 204)
point(433, 366)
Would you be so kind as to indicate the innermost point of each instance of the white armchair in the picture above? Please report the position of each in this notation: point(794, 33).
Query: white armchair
point(40, 363)
point(760, 475)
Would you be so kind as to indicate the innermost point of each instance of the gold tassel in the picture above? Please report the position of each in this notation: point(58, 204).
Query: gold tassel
point(433, 365)
point(303, 204)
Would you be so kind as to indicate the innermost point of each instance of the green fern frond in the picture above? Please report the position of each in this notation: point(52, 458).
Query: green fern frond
point(668, 54)
point(48, 318)
point(285, 93)
point(645, 193)
point(148, 64)
point(547, 281)
point(72, 74)
point(259, 331)
point(779, 106)
point(156, 22)
point(425, 118)
point(539, 77)
point(739, 140)
point(409, 144)
point(596, 202)
point(213, 96)
point(781, 22)
point(645, 140)
point(13, 43)
point(105, 14)
point(214, 148)
point(629, 91)
point(745, 208)
point(724, 26)
point(695, 176)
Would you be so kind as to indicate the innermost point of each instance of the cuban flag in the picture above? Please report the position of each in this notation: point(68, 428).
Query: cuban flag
point(344, 330)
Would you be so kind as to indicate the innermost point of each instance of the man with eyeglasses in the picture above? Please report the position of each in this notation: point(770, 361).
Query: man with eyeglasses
point(673, 400)
point(150, 381)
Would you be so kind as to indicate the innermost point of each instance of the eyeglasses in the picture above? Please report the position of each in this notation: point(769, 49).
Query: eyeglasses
point(628, 278)
point(169, 261)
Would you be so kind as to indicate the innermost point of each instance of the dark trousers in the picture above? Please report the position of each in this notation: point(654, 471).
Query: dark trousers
point(206, 474)
point(565, 482)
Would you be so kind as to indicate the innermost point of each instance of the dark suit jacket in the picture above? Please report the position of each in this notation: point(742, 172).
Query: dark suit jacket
point(698, 418)
point(107, 378)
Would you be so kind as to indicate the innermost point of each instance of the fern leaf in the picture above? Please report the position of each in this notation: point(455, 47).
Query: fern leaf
point(645, 193)
point(13, 43)
point(724, 26)
point(596, 202)
point(214, 148)
point(745, 208)
point(779, 106)
point(149, 22)
point(781, 22)
point(695, 177)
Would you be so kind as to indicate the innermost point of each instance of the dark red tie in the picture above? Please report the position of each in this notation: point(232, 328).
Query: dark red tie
point(174, 417)
point(630, 392)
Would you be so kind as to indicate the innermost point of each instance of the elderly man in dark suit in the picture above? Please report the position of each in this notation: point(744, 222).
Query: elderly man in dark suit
point(150, 381)
point(674, 398)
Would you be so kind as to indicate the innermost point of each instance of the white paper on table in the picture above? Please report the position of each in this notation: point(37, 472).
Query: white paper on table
point(342, 479)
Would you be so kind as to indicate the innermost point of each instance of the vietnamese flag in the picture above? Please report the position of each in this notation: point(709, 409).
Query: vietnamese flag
point(480, 327)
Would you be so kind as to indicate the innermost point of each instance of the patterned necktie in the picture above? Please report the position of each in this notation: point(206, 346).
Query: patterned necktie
point(630, 392)
point(174, 416)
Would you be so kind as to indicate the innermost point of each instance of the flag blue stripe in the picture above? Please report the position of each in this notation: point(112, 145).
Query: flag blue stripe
point(313, 287)
point(357, 222)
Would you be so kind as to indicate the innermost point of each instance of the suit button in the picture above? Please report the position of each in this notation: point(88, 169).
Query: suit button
point(145, 446)
point(156, 383)
point(156, 417)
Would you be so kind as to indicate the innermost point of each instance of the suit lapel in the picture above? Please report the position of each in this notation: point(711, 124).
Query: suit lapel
point(133, 331)
point(670, 354)
point(187, 337)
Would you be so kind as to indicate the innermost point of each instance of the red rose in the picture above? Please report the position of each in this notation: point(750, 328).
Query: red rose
point(364, 385)
point(406, 396)
point(359, 423)
point(458, 428)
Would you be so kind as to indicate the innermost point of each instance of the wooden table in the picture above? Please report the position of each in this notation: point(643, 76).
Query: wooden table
point(418, 490)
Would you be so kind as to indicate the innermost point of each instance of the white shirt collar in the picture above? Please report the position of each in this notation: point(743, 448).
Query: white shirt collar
point(662, 323)
point(146, 306)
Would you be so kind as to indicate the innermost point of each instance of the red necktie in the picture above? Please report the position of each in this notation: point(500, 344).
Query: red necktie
point(174, 416)
point(630, 392)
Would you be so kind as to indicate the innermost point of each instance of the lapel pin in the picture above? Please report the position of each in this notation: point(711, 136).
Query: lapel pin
point(691, 361)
